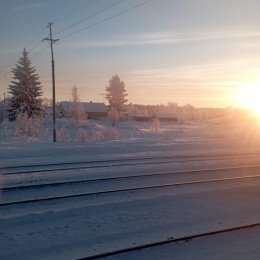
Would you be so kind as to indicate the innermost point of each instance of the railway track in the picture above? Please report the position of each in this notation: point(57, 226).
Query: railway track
point(139, 182)
point(135, 187)
point(66, 166)
point(169, 241)
point(128, 177)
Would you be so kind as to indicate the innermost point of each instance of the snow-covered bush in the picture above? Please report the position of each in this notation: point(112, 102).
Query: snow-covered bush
point(103, 133)
point(98, 136)
point(83, 135)
point(78, 114)
point(63, 134)
point(28, 128)
point(114, 115)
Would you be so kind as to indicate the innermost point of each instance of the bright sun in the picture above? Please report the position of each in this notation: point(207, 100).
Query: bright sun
point(249, 96)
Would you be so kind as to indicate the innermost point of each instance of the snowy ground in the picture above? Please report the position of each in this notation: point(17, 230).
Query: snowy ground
point(74, 228)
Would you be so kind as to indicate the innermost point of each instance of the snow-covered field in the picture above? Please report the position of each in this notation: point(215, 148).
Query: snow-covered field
point(80, 227)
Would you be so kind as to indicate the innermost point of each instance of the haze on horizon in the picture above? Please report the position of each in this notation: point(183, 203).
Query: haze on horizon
point(202, 52)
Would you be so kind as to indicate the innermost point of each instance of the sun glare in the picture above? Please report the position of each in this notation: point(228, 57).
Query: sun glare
point(249, 97)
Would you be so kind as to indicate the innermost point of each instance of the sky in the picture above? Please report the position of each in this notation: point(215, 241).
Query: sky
point(204, 52)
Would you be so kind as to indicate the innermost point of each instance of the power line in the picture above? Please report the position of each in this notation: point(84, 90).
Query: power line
point(106, 19)
point(35, 46)
point(14, 59)
point(72, 13)
point(39, 52)
point(88, 17)
point(10, 62)
point(3, 71)
point(36, 37)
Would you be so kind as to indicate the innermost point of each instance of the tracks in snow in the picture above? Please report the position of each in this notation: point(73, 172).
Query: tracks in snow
point(133, 183)
point(124, 184)
point(124, 251)
point(65, 166)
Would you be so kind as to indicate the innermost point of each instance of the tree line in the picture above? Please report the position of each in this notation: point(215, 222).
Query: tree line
point(25, 92)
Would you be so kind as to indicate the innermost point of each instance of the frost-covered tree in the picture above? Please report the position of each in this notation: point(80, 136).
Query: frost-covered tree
point(116, 94)
point(77, 111)
point(25, 89)
point(74, 94)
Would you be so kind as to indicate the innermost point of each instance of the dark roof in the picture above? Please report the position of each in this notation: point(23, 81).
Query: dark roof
point(89, 107)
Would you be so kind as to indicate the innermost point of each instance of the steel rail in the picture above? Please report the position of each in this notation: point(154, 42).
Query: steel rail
point(169, 241)
point(172, 160)
point(51, 184)
point(128, 190)
point(133, 159)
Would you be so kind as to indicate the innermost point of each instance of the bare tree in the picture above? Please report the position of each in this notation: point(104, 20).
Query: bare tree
point(77, 112)
point(75, 95)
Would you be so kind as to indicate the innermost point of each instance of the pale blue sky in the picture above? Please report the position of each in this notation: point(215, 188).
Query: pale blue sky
point(190, 51)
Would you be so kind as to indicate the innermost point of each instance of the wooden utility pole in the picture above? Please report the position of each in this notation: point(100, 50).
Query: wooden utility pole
point(51, 40)
point(4, 108)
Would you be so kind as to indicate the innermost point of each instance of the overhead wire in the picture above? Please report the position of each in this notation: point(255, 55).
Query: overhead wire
point(39, 52)
point(106, 19)
point(8, 64)
point(88, 17)
point(73, 12)
point(36, 37)
point(11, 61)
point(57, 21)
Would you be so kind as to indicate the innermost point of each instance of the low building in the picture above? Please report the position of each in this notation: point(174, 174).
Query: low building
point(95, 110)
point(91, 109)
point(162, 116)
point(142, 118)
point(166, 116)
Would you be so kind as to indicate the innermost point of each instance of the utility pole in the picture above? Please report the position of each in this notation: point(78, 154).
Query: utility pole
point(4, 108)
point(51, 40)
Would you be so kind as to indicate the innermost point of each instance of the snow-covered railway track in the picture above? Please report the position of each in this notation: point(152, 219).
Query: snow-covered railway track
point(123, 252)
point(233, 171)
point(66, 166)
point(125, 184)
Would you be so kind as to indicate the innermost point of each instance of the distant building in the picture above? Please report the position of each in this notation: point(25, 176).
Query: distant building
point(95, 110)
point(142, 118)
point(91, 109)
point(162, 116)
point(166, 116)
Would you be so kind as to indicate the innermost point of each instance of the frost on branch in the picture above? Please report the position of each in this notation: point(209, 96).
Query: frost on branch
point(28, 128)
point(105, 133)
point(77, 111)
point(63, 134)
point(83, 135)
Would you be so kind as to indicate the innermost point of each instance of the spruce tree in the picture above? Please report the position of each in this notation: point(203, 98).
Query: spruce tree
point(25, 89)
